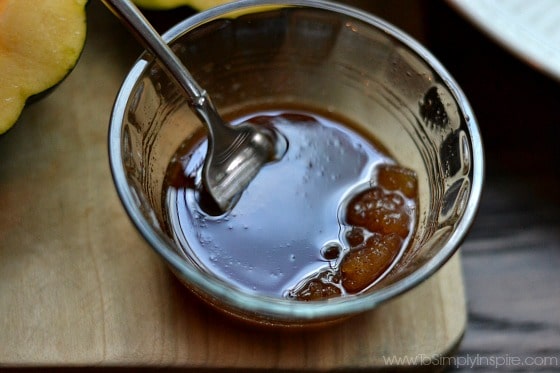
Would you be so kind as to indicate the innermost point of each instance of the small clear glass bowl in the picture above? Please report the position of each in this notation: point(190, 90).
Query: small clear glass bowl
point(250, 53)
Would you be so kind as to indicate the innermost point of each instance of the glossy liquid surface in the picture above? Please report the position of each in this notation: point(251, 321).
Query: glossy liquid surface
point(291, 233)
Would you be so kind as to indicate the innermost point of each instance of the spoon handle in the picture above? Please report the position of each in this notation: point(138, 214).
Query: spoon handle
point(141, 28)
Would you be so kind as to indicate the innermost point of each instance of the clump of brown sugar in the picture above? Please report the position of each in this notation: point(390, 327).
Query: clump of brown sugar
point(379, 223)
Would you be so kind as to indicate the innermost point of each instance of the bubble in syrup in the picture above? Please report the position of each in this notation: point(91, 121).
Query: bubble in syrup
point(331, 251)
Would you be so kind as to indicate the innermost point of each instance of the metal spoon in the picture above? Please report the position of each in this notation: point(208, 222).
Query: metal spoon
point(235, 153)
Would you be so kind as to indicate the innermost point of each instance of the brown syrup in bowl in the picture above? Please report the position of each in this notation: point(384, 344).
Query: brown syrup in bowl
point(330, 218)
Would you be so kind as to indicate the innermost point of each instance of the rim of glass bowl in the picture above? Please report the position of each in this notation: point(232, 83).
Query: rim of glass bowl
point(285, 309)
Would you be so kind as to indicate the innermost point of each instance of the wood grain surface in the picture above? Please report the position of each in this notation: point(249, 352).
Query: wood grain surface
point(79, 287)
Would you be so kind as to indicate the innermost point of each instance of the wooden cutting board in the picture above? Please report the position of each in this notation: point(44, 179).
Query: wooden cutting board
point(79, 286)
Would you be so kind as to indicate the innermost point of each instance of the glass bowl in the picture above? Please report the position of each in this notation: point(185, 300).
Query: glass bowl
point(320, 54)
